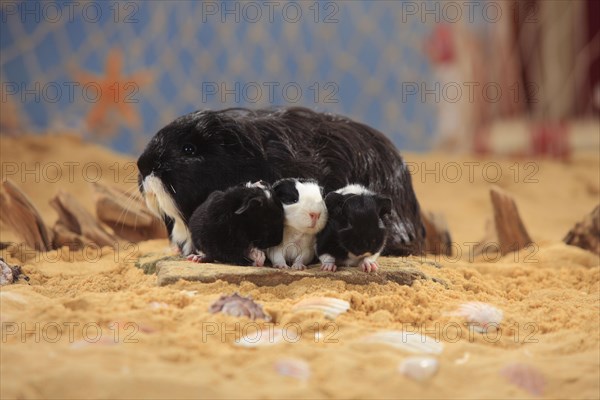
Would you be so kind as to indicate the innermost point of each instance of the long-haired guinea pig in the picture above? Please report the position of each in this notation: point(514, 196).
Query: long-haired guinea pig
point(232, 226)
point(206, 151)
point(305, 216)
point(355, 234)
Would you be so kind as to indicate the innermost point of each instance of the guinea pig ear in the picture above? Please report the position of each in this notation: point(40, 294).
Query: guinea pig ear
point(333, 200)
point(248, 204)
point(384, 205)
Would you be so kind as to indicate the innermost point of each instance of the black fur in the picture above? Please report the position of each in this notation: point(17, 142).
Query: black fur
point(228, 224)
point(286, 191)
point(353, 225)
point(213, 150)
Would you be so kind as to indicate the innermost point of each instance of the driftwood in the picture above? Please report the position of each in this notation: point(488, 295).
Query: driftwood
point(64, 237)
point(75, 218)
point(586, 234)
point(508, 232)
point(437, 236)
point(17, 211)
point(511, 232)
point(127, 215)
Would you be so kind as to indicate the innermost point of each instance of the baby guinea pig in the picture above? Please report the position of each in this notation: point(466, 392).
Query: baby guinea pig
point(305, 216)
point(232, 226)
point(355, 234)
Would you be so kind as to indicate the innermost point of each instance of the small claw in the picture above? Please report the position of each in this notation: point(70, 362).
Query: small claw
point(258, 257)
point(329, 267)
point(369, 266)
point(197, 258)
point(298, 266)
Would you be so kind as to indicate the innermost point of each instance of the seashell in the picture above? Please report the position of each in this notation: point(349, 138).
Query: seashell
point(265, 337)
point(239, 306)
point(330, 306)
point(526, 377)
point(412, 342)
point(6, 278)
point(157, 305)
point(10, 274)
point(294, 368)
point(419, 368)
point(463, 359)
point(481, 316)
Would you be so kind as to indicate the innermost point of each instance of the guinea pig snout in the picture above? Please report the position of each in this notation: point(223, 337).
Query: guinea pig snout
point(144, 166)
point(314, 218)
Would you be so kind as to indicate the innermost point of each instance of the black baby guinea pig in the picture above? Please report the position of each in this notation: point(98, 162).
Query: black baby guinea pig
point(355, 234)
point(232, 226)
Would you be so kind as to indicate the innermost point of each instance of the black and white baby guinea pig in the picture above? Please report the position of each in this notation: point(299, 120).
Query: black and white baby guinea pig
point(305, 216)
point(232, 226)
point(355, 234)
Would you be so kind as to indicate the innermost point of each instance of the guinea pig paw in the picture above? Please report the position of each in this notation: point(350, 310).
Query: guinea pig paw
point(258, 256)
point(197, 258)
point(280, 266)
point(369, 266)
point(329, 267)
point(298, 266)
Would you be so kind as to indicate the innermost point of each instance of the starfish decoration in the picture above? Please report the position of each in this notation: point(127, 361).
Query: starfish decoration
point(113, 93)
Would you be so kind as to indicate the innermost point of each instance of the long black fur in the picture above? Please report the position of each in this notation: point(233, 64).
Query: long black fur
point(239, 145)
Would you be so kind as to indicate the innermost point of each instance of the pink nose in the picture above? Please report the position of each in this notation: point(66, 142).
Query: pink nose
point(314, 217)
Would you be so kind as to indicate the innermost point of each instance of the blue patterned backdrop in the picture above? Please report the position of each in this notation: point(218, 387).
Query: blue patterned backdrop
point(117, 71)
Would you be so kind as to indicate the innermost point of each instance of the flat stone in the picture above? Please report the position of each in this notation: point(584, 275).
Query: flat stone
point(402, 272)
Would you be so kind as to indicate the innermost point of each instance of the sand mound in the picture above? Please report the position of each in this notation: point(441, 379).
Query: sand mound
point(92, 325)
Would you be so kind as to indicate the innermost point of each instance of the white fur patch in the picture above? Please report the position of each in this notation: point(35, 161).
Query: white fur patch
point(310, 200)
point(260, 185)
point(354, 189)
point(161, 202)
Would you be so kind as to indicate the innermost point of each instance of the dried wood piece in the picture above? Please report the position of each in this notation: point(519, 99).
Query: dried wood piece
point(586, 234)
point(511, 232)
point(437, 236)
point(127, 215)
point(17, 211)
point(64, 237)
point(77, 219)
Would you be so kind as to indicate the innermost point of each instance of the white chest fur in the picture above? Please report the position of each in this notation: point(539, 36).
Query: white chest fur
point(296, 249)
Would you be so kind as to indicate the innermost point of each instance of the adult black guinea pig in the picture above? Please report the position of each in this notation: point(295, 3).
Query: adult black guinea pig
point(232, 226)
point(355, 234)
point(205, 151)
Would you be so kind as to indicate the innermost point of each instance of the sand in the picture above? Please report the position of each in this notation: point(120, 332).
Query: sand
point(165, 343)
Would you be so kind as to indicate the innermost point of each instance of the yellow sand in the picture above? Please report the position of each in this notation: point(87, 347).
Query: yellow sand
point(549, 295)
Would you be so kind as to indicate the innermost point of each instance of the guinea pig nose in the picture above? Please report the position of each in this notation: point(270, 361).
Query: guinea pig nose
point(314, 216)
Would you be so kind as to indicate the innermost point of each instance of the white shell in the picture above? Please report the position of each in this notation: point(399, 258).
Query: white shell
point(266, 337)
point(329, 306)
point(412, 342)
point(293, 367)
point(157, 305)
point(6, 276)
point(419, 368)
point(481, 316)
point(526, 377)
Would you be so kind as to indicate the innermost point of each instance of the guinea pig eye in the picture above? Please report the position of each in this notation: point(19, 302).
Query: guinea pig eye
point(189, 149)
